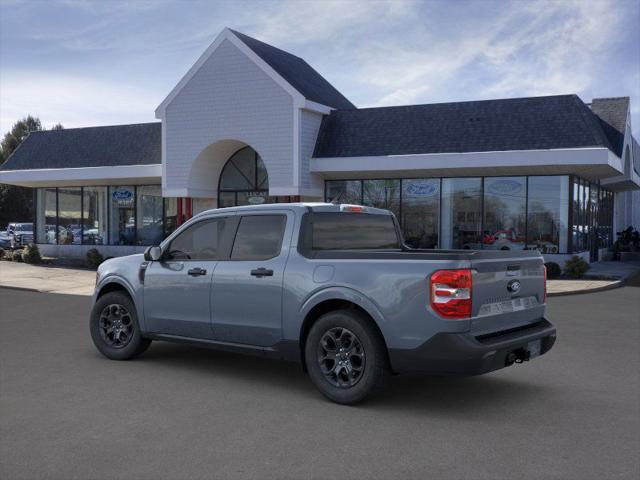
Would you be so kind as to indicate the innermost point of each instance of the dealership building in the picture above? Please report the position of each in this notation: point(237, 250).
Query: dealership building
point(250, 124)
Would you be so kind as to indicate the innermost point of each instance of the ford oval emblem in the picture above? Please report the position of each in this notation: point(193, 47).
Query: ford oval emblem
point(122, 194)
point(422, 189)
point(514, 286)
point(505, 187)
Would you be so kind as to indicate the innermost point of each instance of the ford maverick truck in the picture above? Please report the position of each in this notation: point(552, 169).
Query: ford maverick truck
point(332, 287)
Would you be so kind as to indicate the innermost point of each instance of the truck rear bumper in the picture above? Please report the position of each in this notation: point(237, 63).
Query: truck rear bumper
point(469, 354)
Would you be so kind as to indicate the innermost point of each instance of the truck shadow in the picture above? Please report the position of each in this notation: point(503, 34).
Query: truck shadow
point(483, 395)
point(459, 396)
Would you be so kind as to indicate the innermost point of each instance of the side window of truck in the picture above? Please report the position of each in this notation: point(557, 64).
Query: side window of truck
point(259, 237)
point(200, 241)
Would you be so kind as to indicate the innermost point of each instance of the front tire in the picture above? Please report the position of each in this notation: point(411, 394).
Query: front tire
point(345, 356)
point(114, 327)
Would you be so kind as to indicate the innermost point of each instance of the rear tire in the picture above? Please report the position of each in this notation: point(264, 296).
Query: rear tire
point(345, 356)
point(114, 327)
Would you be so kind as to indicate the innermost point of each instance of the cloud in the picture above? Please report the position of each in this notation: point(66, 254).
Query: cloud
point(71, 100)
point(385, 52)
point(555, 50)
point(297, 22)
point(537, 48)
point(400, 52)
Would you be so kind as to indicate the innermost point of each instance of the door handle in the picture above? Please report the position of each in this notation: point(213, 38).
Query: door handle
point(262, 272)
point(194, 272)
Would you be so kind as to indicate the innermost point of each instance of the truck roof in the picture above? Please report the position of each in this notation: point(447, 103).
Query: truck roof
point(314, 206)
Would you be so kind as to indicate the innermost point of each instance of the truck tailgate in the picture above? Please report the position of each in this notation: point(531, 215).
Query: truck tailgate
point(508, 290)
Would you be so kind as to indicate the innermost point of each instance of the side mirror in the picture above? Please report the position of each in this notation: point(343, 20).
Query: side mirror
point(152, 254)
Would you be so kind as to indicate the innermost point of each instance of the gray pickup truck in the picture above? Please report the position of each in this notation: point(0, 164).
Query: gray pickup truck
point(332, 287)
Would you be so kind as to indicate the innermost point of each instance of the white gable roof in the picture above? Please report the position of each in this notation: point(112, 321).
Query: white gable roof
point(228, 34)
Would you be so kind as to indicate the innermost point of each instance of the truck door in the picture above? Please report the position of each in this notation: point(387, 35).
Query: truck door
point(177, 289)
point(247, 287)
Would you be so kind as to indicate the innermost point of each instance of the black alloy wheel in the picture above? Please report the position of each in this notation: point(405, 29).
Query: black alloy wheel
point(116, 326)
point(341, 357)
point(346, 356)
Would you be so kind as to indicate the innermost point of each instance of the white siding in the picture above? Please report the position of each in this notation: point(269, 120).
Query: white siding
point(309, 127)
point(229, 98)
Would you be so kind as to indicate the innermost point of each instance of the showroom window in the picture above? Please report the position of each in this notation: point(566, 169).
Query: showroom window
point(94, 207)
point(547, 214)
point(491, 212)
point(103, 215)
point(382, 194)
point(505, 214)
point(592, 216)
point(46, 215)
point(70, 216)
point(420, 217)
point(605, 219)
point(344, 191)
point(461, 214)
point(149, 215)
point(122, 220)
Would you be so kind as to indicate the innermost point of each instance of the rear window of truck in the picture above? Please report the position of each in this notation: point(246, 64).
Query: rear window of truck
point(353, 231)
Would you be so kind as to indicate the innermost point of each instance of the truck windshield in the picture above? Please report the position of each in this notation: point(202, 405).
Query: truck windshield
point(354, 231)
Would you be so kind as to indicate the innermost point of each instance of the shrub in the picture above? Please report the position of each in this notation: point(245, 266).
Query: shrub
point(553, 270)
point(16, 256)
point(1, 253)
point(94, 258)
point(31, 254)
point(576, 267)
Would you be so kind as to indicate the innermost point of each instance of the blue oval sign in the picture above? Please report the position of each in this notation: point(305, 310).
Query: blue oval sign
point(505, 187)
point(122, 194)
point(422, 189)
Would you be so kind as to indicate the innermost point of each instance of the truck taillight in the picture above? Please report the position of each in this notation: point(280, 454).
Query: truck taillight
point(450, 293)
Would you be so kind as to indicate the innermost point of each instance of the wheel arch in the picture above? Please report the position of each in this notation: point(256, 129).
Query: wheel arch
point(338, 299)
point(114, 283)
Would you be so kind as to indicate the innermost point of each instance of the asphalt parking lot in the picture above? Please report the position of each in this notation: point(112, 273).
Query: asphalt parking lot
point(182, 412)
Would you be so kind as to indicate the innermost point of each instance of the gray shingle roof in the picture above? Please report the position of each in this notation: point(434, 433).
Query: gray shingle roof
point(562, 121)
point(138, 144)
point(298, 73)
point(612, 113)
point(491, 125)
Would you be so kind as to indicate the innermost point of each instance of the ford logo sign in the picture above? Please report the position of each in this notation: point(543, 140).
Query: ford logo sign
point(422, 189)
point(122, 194)
point(255, 200)
point(514, 286)
point(505, 187)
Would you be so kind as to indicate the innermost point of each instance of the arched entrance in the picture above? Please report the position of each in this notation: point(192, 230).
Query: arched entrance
point(244, 180)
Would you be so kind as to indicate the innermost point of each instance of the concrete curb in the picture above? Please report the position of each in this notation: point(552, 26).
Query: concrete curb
point(36, 290)
point(611, 286)
point(26, 289)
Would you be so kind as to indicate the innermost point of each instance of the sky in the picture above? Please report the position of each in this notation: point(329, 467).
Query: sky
point(86, 63)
